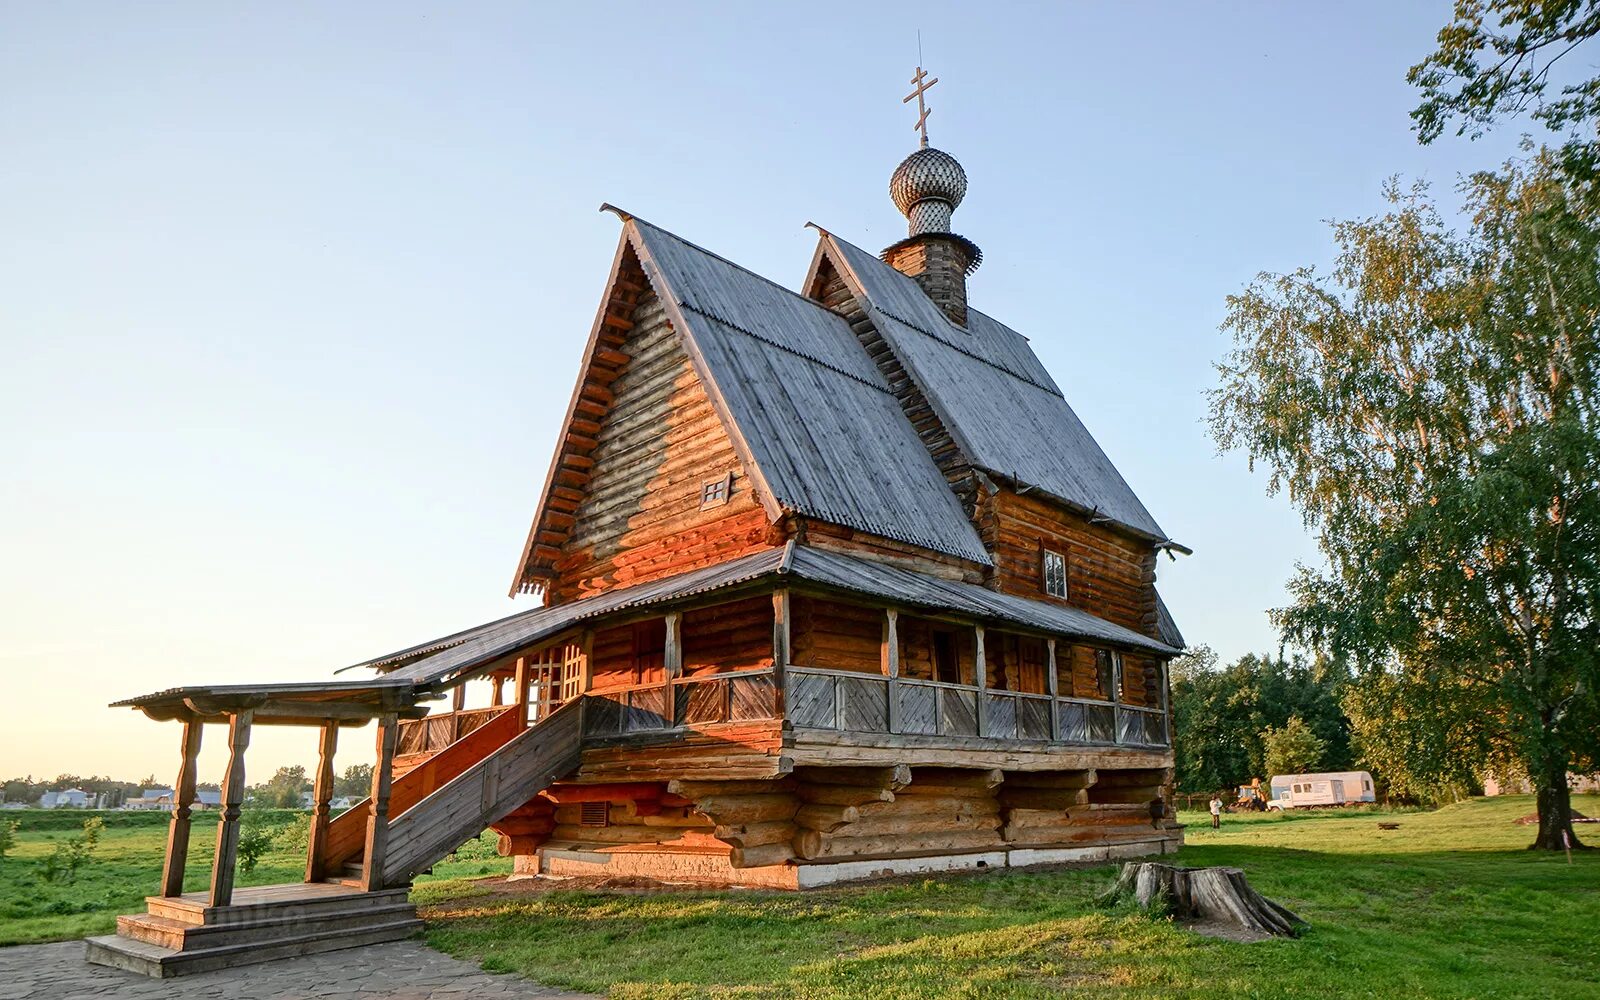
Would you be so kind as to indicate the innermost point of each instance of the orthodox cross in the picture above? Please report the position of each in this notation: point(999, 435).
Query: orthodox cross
point(922, 109)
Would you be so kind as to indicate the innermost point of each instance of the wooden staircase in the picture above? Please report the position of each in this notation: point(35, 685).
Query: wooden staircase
point(434, 808)
point(182, 934)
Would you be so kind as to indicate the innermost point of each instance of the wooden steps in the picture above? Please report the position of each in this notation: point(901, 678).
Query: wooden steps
point(183, 934)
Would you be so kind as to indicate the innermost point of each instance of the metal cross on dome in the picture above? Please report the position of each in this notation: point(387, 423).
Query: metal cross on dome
point(922, 109)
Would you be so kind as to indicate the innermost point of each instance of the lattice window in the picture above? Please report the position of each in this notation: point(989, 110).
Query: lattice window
point(1054, 569)
point(717, 492)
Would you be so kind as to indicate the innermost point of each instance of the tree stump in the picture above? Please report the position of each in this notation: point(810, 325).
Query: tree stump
point(1219, 895)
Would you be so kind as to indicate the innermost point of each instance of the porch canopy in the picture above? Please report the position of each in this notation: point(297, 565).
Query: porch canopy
point(308, 703)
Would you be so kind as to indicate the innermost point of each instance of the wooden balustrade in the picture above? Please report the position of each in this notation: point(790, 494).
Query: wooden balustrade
point(708, 699)
point(860, 702)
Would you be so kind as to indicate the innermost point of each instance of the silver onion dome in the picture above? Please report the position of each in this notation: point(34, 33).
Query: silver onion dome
point(926, 187)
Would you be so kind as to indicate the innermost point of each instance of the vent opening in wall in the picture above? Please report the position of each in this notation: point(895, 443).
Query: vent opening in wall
point(594, 813)
point(717, 492)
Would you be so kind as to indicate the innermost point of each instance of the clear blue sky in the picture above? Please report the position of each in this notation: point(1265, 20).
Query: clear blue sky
point(292, 296)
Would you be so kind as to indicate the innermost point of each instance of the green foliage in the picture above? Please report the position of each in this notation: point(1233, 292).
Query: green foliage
point(1494, 61)
point(295, 835)
point(63, 863)
point(356, 780)
point(256, 836)
point(1292, 748)
point(8, 835)
point(1222, 713)
point(1431, 411)
point(283, 790)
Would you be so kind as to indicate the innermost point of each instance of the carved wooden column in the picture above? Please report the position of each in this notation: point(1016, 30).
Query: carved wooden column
point(321, 794)
point(182, 809)
point(671, 667)
point(980, 676)
point(891, 664)
point(227, 852)
point(378, 818)
point(781, 618)
point(458, 704)
point(1052, 685)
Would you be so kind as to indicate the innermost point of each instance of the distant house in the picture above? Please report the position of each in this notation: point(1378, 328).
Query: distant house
point(1516, 784)
point(1329, 788)
point(150, 798)
point(71, 798)
point(344, 802)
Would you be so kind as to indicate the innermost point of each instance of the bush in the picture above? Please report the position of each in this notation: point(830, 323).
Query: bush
point(8, 835)
point(256, 834)
point(62, 864)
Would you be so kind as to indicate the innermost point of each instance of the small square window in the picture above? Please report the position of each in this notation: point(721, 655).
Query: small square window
point(716, 492)
point(1055, 574)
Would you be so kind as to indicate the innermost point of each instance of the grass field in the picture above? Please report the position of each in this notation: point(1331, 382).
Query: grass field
point(1449, 905)
point(126, 867)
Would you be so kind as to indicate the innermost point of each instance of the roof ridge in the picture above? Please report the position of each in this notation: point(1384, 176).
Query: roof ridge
point(819, 362)
point(737, 266)
point(1020, 376)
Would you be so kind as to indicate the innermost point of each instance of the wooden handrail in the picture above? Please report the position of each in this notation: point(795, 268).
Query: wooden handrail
point(347, 834)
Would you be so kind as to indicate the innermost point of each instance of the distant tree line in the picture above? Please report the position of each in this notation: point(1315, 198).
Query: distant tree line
point(1256, 717)
point(283, 790)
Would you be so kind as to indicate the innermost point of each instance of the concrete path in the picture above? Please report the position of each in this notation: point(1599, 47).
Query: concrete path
point(402, 970)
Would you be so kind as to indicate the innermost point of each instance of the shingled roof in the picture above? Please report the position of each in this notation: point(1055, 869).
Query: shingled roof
point(994, 397)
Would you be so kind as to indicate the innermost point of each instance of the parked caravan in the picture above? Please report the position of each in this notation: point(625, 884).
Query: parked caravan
point(1332, 788)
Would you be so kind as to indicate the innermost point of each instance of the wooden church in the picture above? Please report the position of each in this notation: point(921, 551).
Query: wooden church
point(834, 585)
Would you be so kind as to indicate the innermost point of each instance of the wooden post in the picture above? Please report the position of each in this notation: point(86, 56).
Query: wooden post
point(781, 619)
point(458, 704)
point(671, 667)
point(499, 696)
point(1052, 685)
point(521, 701)
point(321, 794)
point(182, 809)
point(586, 665)
point(227, 852)
point(378, 819)
point(980, 675)
point(891, 664)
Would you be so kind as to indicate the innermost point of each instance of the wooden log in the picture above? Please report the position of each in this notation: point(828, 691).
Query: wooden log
point(756, 857)
point(1037, 817)
point(893, 778)
point(1050, 779)
point(1043, 798)
point(842, 795)
point(1144, 777)
point(959, 777)
point(1221, 895)
point(928, 805)
point(692, 789)
point(735, 809)
point(946, 791)
point(757, 834)
point(825, 818)
point(833, 846)
point(1129, 795)
point(916, 825)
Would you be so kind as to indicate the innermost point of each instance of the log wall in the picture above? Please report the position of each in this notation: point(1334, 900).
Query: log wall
point(835, 636)
point(1109, 574)
point(831, 814)
point(733, 636)
point(658, 442)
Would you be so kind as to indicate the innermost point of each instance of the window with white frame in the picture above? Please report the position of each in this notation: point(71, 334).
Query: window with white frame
point(1055, 574)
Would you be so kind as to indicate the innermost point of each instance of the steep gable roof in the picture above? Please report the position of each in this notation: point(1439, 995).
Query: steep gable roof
point(992, 393)
point(815, 424)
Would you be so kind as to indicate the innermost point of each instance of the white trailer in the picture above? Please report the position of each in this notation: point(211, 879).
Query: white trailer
point(1331, 788)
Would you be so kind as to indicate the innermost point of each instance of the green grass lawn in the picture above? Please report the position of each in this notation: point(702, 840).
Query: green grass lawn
point(1449, 905)
point(126, 867)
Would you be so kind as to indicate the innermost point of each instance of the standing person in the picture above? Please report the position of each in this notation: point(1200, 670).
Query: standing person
point(1216, 812)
